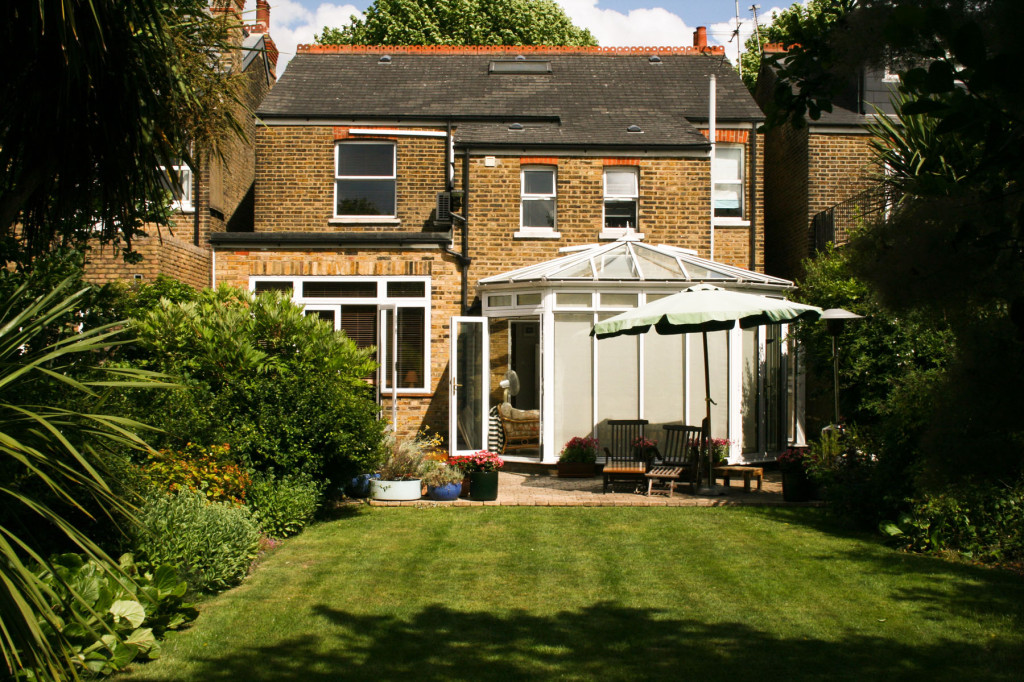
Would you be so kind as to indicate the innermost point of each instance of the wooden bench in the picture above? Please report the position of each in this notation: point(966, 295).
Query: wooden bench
point(729, 471)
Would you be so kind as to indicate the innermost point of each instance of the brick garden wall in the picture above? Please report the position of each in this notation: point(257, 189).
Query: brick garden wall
point(162, 253)
point(839, 167)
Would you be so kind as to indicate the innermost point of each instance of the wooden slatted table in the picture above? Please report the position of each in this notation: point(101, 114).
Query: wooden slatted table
point(663, 474)
point(729, 472)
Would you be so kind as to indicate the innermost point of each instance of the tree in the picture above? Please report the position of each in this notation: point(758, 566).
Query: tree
point(99, 95)
point(953, 247)
point(788, 27)
point(459, 22)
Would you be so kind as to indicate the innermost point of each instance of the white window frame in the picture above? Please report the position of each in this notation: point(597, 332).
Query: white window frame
point(615, 232)
point(741, 181)
point(340, 178)
point(184, 198)
point(538, 231)
point(381, 300)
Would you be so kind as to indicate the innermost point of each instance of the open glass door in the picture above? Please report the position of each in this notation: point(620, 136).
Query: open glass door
point(469, 376)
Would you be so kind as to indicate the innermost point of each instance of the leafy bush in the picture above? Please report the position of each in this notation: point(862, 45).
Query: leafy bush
point(206, 469)
point(283, 506)
point(211, 543)
point(579, 449)
point(285, 390)
point(979, 520)
point(113, 620)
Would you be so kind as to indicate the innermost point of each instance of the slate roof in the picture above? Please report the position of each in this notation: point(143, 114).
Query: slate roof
point(587, 99)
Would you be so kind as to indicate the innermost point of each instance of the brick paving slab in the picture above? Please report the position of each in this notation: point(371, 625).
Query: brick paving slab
point(531, 489)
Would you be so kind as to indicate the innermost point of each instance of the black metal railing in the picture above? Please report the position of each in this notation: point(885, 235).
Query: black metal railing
point(833, 225)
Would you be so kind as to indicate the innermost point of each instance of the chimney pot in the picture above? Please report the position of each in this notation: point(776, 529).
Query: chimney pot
point(700, 37)
point(263, 14)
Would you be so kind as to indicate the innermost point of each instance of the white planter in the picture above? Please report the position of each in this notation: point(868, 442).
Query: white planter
point(396, 490)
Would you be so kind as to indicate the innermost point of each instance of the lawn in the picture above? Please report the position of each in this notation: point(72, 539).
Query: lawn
point(495, 593)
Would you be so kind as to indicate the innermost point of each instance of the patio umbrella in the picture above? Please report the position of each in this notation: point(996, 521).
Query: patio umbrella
point(705, 308)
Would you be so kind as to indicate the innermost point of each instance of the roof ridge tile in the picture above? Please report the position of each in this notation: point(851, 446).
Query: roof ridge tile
point(508, 49)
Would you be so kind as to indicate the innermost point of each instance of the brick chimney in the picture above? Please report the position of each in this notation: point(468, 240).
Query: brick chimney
point(263, 15)
point(700, 37)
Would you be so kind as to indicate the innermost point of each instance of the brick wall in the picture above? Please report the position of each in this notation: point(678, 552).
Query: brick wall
point(162, 253)
point(416, 411)
point(295, 180)
point(808, 172)
point(839, 167)
point(785, 187)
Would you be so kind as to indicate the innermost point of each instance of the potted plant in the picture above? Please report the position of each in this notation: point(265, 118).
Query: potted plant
point(401, 473)
point(719, 450)
point(796, 486)
point(644, 449)
point(578, 457)
point(444, 482)
point(482, 470)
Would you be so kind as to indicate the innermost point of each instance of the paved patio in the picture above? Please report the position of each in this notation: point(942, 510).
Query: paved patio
point(544, 489)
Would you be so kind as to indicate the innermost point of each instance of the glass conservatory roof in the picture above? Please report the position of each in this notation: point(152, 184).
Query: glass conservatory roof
point(628, 260)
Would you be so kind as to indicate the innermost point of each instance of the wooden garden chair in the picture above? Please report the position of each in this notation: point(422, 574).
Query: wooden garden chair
point(681, 447)
point(621, 463)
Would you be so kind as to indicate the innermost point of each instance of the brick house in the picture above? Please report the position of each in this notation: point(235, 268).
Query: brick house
point(472, 211)
point(821, 178)
point(217, 195)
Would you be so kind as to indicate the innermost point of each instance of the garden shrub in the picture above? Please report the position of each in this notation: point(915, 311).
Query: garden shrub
point(283, 506)
point(984, 521)
point(211, 543)
point(206, 469)
point(137, 607)
point(285, 390)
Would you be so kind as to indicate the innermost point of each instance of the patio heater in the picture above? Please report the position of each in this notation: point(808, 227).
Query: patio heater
point(835, 319)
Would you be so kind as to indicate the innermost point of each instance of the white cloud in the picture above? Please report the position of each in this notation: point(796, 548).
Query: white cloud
point(292, 24)
point(655, 26)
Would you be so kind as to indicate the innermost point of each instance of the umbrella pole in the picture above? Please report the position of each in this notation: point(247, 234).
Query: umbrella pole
point(711, 489)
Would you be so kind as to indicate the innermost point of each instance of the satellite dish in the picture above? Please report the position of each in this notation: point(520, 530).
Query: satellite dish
point(511, 384)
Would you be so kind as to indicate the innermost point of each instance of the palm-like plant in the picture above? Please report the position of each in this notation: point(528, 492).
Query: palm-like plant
point(51, 462)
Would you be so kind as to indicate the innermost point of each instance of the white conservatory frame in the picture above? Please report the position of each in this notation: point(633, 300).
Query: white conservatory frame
point(609, 274)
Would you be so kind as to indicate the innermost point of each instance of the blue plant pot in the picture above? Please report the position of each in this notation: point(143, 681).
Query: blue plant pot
point(360, 485)
point(444, 493)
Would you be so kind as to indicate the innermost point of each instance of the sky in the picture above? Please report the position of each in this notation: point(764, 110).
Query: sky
point(613, 22)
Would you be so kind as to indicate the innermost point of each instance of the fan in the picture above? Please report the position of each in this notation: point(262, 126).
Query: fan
point(510, 383)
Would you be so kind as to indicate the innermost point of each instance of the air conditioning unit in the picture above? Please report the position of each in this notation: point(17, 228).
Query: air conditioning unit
point(443, 214)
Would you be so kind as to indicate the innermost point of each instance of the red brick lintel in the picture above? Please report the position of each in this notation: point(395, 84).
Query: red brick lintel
point(506, 49)
point(739, 136)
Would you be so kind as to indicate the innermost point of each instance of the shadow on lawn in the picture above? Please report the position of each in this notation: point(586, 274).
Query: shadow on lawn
point(602, 642)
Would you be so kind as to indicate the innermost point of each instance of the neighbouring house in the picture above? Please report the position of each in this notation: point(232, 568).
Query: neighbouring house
point(471, 212)
point(821, 180)
point(217, 194)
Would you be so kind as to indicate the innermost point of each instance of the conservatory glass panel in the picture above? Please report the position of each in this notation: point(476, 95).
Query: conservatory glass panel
point(615, 265)
point(664, 384)
point(582, 269)
point(750, 386)
point(573, 384)
point(655, 265)
point(619, 300)
point(618, 385)
point(570, 300)
point(700, 272)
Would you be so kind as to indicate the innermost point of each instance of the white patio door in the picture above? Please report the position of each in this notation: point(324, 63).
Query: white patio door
point(469, 371)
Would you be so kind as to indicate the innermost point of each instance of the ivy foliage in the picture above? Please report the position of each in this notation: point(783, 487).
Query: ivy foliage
point(459, 22)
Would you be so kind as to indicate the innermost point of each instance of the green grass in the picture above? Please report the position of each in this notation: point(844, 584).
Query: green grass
point(600, 593)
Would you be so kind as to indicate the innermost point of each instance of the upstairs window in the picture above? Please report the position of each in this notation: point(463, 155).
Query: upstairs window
point(538, 212)
point(727, 192)
point(620, 198)
point(364, 180)
point(178, 181)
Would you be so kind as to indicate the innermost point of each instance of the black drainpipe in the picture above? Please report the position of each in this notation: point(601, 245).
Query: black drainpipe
point(195, 200)
point(463, 258)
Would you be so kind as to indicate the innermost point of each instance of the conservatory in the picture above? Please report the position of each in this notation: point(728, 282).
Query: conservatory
point(543, 360)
